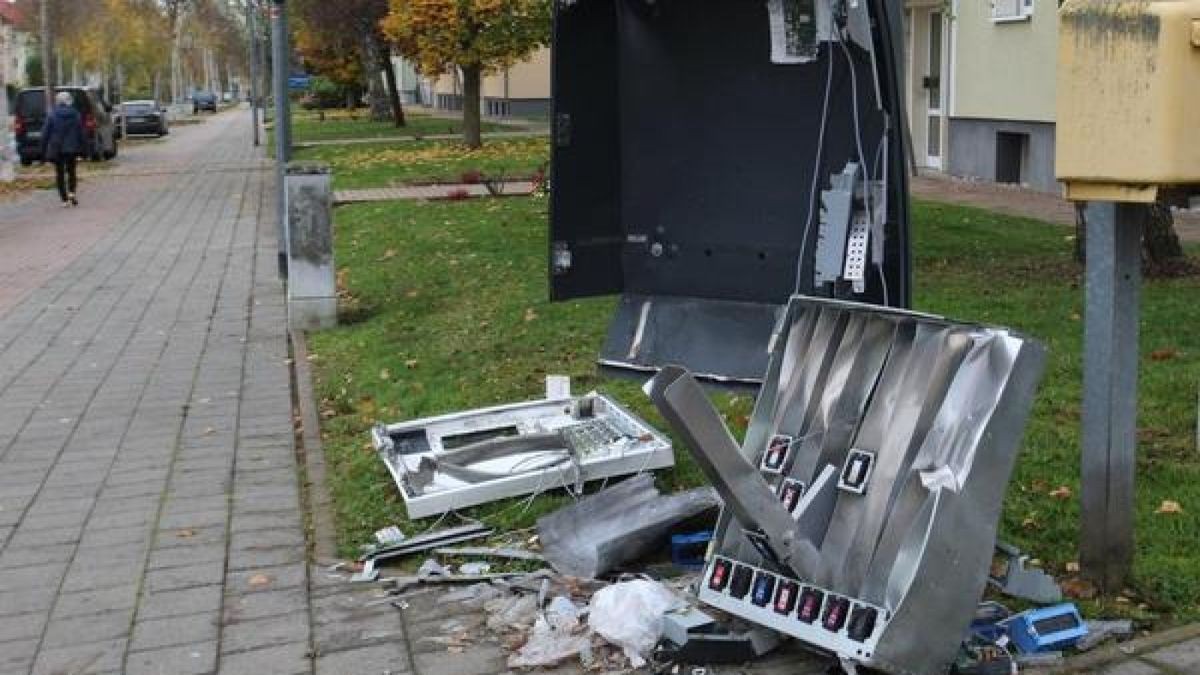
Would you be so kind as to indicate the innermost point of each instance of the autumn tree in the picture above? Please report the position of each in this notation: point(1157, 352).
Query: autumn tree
point(476, 36)
point(332, 32)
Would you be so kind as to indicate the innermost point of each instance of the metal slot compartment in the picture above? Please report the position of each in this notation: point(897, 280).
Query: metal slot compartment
point(468, 458)
point(899, 431)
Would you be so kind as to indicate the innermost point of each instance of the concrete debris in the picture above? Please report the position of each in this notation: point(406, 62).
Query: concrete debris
point(600, 532)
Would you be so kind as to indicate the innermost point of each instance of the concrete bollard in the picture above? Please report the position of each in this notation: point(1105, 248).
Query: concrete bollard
point(312, 277)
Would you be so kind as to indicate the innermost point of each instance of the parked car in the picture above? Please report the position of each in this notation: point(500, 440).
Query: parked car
point(29, 113)
point(204, 100)
point(143, 117)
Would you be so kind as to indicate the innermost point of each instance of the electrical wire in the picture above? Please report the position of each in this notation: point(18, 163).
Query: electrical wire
point(868, 171)
point(812, 193)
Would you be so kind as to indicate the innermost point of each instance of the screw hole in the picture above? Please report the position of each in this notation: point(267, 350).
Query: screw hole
point(762, 255)
point(708, 252)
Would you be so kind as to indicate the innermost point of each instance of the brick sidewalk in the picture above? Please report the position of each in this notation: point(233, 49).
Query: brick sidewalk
point(150, 516)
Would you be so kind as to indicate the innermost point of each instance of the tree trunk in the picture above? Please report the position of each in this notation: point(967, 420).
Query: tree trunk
point(380, 110)
point(1162, 253)
point(389, 72)
point(472, 83)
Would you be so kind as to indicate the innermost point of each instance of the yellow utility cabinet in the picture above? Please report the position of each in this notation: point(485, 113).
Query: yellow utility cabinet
point(1128, 98)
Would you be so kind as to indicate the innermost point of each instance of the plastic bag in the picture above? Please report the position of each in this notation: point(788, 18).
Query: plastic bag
point(555, 637)
point(630, 616)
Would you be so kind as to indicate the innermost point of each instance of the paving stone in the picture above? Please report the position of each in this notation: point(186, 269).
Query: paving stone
point(482, 660)
point(98, 657)
point(85, 603)
point(1128, 668)
point(1184, 656)
point(259, 633)
point(172, 631)
point(192, 659)
point(174, 578)
point(266, 579)
point(183, 556)
point(18, 656)
point(200, 599)
point(64, 632)
point(22, 626)
point(382, 659)
point(288, 602)
point(290, 659)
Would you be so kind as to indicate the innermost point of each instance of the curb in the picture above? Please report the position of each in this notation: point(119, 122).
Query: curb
point(320, 504)
point(1121, 652)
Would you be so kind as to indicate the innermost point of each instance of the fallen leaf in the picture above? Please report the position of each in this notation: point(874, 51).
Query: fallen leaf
point(185, 534)
point(1170, 507)
point(530, 315)
point(259, 580)
point(412, 363)
point(1079, 588)
point(1073, 567)
point(1063, 492)
point(1165, 354)
point(385, 374)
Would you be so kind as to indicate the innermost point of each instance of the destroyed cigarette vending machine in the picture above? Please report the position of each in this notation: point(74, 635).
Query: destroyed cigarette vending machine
point(711, 158)
point(737, 172)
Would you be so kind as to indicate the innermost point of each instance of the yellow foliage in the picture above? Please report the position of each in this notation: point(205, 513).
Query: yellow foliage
point(488, 34)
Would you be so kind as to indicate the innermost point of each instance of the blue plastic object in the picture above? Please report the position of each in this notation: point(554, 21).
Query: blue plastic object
point(1049, 629)
point(687, 550)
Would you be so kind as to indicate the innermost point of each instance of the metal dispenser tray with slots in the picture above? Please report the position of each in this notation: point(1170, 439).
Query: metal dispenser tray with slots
point(861, 511)
point(712, 158)
point(463, 459)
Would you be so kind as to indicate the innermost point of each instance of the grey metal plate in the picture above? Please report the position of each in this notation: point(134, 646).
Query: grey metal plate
point(718, 340)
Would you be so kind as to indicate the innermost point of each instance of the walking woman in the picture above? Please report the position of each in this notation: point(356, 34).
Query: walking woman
point(62, 143)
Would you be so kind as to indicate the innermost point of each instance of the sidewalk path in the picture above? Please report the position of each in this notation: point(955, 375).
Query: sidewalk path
point(1022, 202)
point(150, 510)
point(436, 191)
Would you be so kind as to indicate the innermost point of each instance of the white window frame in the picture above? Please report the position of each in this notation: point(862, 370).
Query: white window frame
point(1012, 11)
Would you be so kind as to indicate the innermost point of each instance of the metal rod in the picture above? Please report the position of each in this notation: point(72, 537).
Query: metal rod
point(1110, 379)
point(280, 66)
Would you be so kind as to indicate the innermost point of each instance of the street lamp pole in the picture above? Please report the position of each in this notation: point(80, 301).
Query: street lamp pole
point(283, 119)
point(252, 29)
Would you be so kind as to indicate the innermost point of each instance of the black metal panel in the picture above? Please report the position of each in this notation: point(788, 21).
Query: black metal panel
point(585, 194)
point(684, 160)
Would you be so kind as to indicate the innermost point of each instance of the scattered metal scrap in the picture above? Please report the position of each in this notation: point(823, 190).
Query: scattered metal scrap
point(1023, 582)
point(425, 542)
point(486, 552)
point(454, 461)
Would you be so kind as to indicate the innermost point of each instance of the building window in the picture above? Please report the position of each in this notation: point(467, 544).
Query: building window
point(1008, 11)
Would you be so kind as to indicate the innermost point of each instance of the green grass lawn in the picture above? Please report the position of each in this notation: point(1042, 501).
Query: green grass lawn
point(445, 308)
point(341, 125)
point(365, 166)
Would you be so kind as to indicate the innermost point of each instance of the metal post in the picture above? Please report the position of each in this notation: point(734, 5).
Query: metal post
point(7, 170)
point(280, 66)
point(252, 28)
point(1110, 378)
